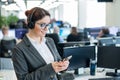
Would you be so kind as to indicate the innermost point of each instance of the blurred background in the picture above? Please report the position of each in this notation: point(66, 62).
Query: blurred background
point(88, 17)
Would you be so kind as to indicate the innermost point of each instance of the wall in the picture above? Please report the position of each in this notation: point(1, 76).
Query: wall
point(113, 13)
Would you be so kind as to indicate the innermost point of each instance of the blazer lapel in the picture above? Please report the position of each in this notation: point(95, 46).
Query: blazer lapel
point(51, 49)
point(33, 50)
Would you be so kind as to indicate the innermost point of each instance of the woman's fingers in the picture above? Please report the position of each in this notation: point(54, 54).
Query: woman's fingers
point(60, 66)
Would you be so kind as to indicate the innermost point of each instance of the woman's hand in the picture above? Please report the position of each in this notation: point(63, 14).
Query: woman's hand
point(60, 66)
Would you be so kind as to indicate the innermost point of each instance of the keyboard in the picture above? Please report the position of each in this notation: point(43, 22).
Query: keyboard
point(111, 78)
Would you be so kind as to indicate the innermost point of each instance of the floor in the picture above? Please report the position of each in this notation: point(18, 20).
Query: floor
point(7, 75)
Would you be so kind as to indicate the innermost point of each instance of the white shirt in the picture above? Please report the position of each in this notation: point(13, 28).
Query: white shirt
point(43, 50)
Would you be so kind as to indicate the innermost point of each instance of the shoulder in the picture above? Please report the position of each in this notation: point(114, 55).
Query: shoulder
point(22, 43)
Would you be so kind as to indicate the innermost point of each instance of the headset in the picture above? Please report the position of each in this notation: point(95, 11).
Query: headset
point(30, 23)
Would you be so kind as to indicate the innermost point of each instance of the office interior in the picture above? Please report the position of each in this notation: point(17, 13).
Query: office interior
point(89, 16)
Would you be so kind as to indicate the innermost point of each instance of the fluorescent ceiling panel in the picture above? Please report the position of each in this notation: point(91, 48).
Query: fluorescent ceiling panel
point(32, 3)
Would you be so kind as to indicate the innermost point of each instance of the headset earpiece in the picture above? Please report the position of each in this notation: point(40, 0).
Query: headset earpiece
point(31, 24)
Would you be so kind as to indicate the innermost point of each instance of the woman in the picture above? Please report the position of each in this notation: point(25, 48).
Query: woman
point(104, 32)
point(36, 57)
point(74, 35)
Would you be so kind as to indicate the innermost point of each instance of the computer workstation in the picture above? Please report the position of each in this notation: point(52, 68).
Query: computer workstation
point(108, 57)
point(82, 64)
point(80, 57)
point(92, 31)
point(109, 41)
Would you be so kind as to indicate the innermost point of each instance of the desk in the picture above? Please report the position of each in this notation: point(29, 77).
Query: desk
point(10, 75)
point(6, 64)
point(99, 74)
point(87, 76)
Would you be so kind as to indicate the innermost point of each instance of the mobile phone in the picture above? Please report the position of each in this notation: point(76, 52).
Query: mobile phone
point(67, 58)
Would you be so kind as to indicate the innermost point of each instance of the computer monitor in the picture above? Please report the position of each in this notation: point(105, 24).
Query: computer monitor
point(64, 32)
point(109, 57)
point(59, 23)
point(19, 33)
point(106, 41)
point(93, 31)
point(83, 36)
point(80, 56)
point(105, 0)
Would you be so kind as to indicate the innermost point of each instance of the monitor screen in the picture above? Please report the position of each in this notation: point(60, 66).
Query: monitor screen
point(80, 56)
point(105, 0)
point(108, 57)
point(64, 32)
point(58, 23)
point(93, 31)
point(19, 33)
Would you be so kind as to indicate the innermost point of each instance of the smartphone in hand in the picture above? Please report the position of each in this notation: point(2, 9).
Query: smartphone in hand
point(67, 58)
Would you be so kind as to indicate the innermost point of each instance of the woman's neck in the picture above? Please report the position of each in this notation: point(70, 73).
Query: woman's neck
point(35, 37)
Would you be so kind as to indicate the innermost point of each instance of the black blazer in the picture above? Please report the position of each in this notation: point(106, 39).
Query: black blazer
point(29, 64)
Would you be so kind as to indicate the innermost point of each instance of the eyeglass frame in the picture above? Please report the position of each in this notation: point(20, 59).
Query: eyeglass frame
point(43, 25)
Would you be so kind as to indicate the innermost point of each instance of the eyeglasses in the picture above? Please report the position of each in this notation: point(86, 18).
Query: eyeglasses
point(43, 25)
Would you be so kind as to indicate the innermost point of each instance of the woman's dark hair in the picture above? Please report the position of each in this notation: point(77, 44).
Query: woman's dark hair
point(105, 30)
point(74, 30)
point(35, 14)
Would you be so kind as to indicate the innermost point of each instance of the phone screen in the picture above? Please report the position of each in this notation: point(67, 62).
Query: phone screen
point(67, 58)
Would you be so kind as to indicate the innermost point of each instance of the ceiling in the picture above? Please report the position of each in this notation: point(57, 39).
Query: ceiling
point(27, 4)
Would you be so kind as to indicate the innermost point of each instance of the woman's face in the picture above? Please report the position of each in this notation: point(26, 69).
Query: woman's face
point(40, 28)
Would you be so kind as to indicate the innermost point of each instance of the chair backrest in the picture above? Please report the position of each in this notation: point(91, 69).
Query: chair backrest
point(6, 47)
point(118, 33)
point(117, 40)
point(107, 41)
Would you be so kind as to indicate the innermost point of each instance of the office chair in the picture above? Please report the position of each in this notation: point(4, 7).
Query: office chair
point(0, 50)
point(117, 40)
point(106, 41)
point(6, 47)
point(118, 33)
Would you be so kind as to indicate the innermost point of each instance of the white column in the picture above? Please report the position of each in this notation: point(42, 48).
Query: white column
point(60, 12)
point(81, 13)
